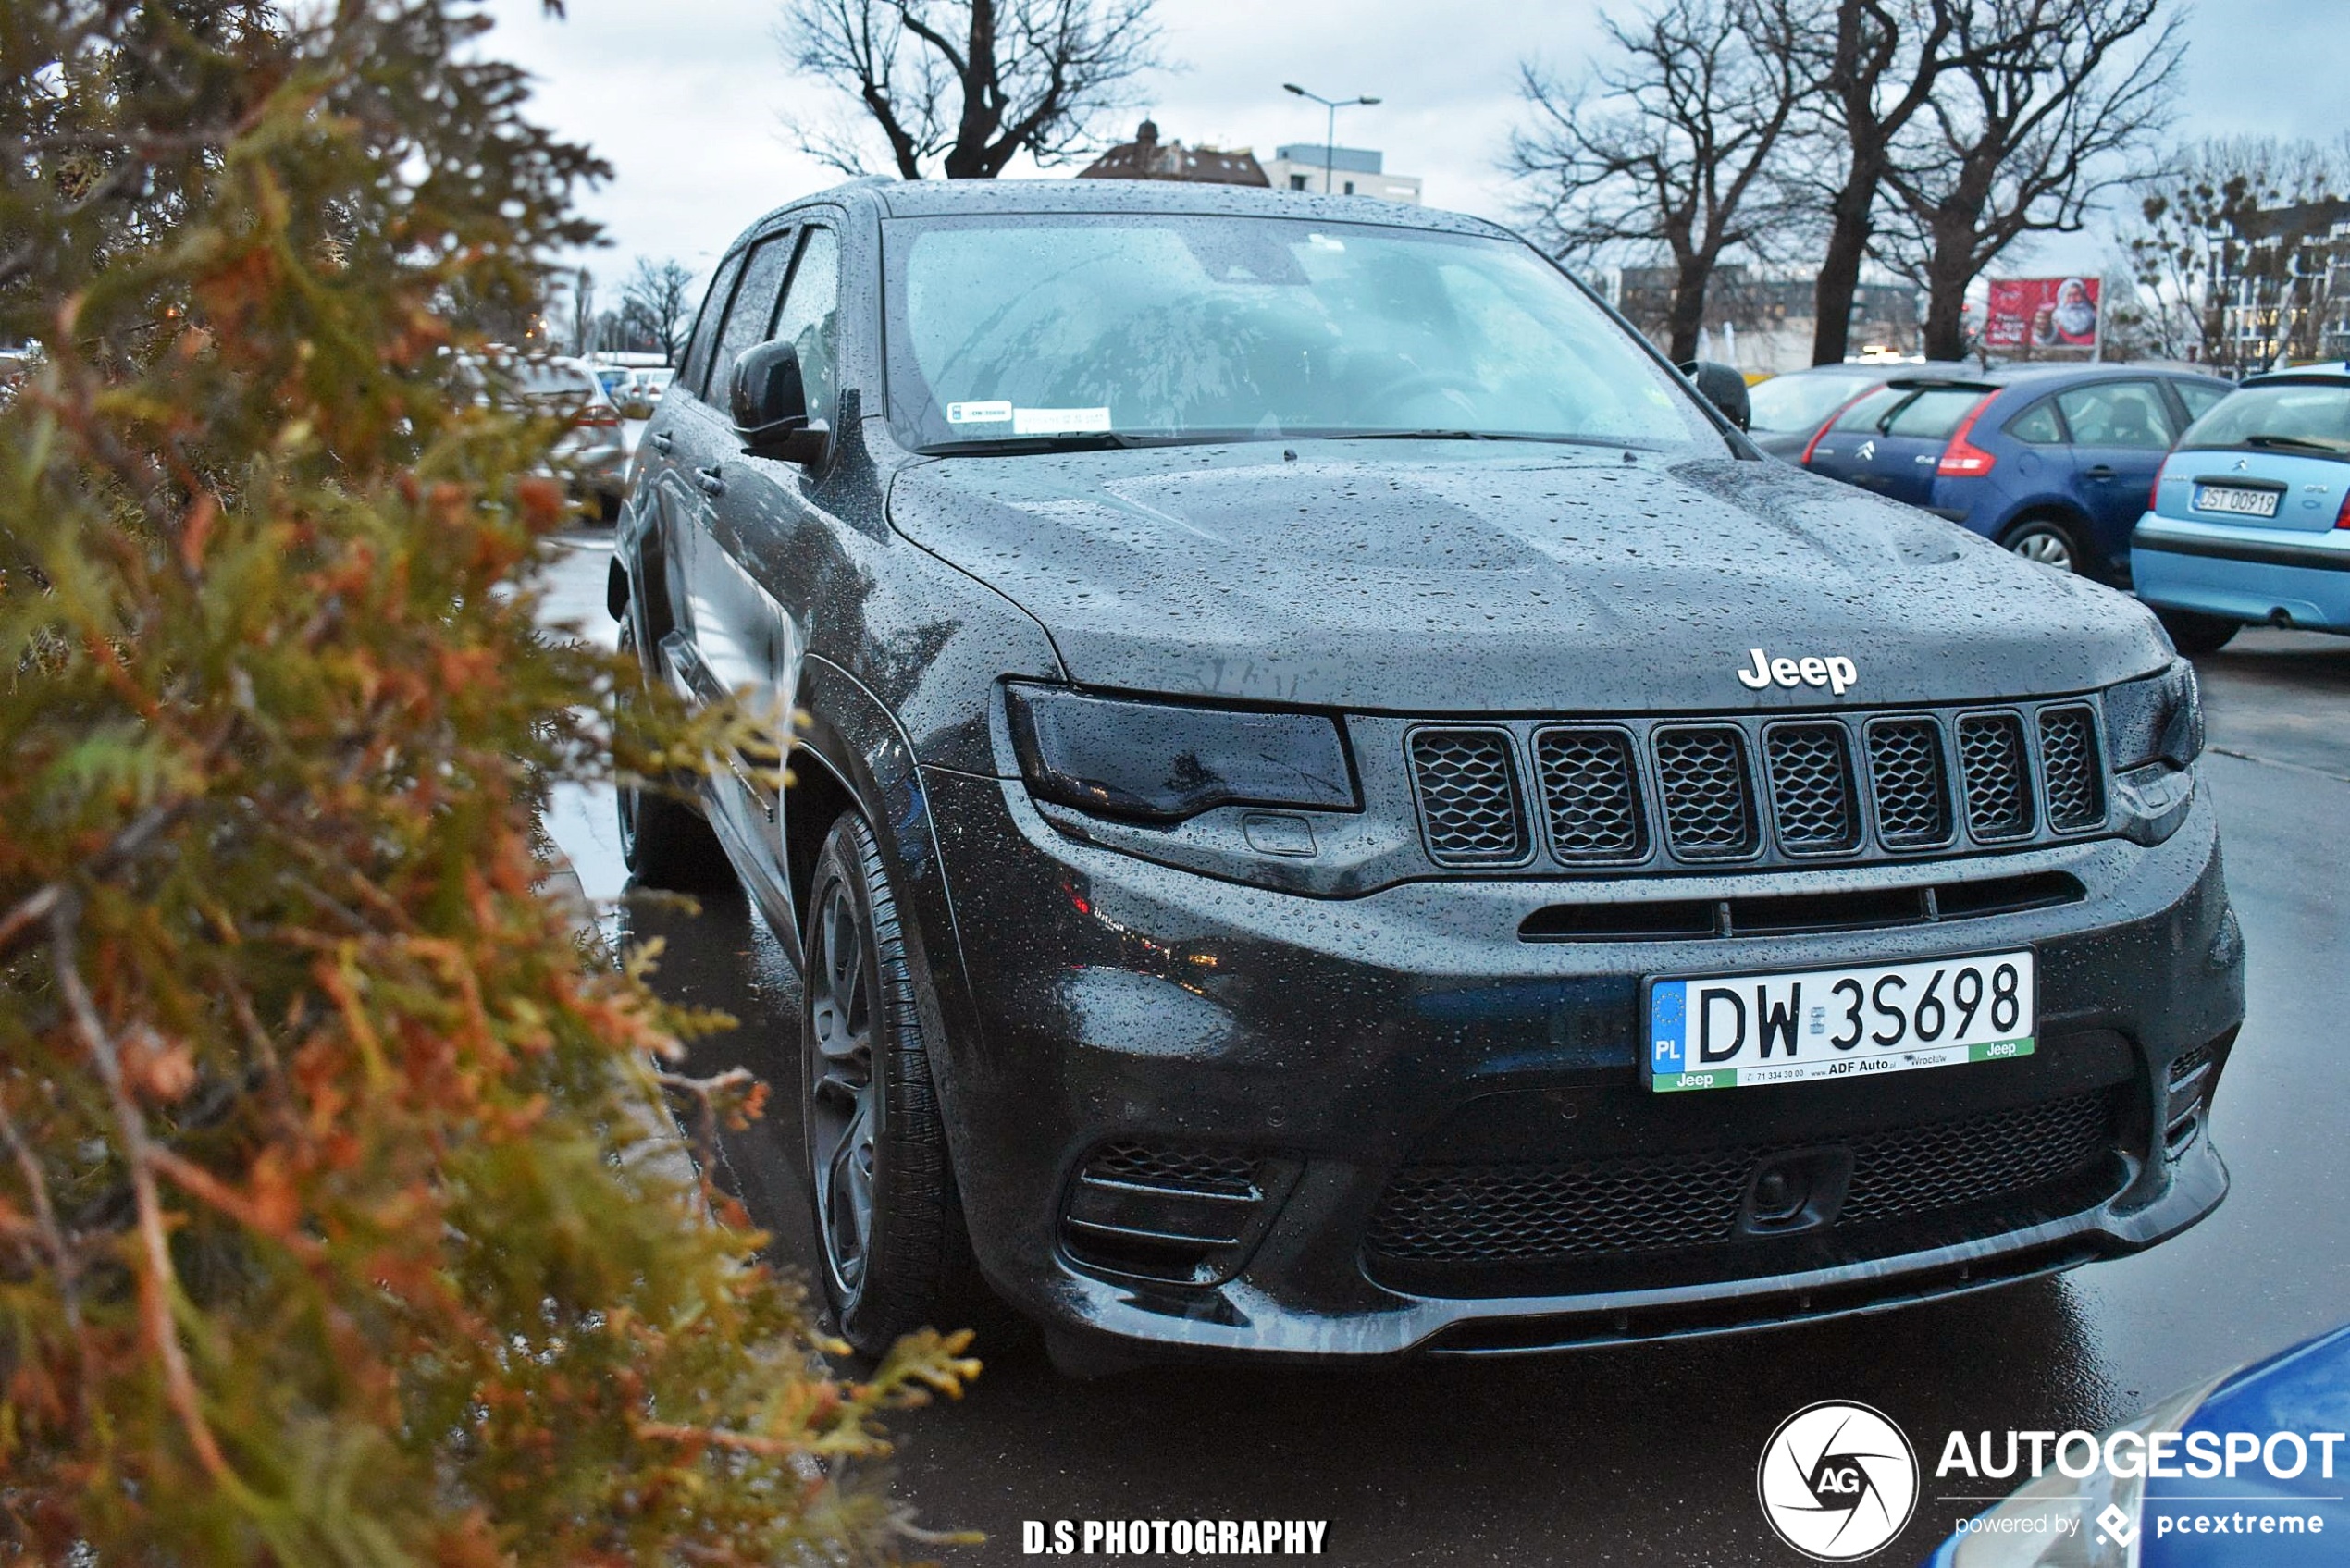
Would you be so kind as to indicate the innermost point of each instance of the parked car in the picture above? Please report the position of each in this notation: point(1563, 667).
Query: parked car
point(2053, 461)
point(1338, 809)
point(1790, 409)
point(2251, 518)
point(646, 384)
point(588, 454)
point(2280, 1515)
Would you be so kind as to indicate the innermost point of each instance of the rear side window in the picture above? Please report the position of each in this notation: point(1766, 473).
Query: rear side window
point(713, 306)
point(753, 310)
point(1935, 412)
point(2118, 413)
point(2200, 399)
point(2039, 425)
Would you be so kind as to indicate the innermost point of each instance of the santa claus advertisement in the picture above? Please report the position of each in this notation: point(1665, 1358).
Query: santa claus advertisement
point(2029, 313)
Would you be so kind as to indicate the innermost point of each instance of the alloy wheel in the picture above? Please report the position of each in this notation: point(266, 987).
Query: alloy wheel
point(843, 1097)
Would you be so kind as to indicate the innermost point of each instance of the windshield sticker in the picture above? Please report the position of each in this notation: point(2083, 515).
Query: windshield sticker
point(1058, 421)
point(978, 413)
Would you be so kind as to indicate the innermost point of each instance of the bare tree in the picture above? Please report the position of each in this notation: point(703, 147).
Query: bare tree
point(1672, 145)
point(2031, 126)
point(657, 303)
point(1879, 61)
point(583, 312)
point(2193, 235)
point(963, 86)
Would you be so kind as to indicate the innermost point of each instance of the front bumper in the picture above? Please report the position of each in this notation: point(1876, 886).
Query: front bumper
point(1321, 1046)
point(2240, 573)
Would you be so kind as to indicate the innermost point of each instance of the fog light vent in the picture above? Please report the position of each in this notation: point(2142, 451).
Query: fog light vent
point(1180, 1214)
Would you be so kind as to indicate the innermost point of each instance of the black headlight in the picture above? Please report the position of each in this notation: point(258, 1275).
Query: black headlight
point(2158, 719)
point(1164, 761)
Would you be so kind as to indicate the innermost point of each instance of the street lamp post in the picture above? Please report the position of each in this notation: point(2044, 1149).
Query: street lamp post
point(1330, 126)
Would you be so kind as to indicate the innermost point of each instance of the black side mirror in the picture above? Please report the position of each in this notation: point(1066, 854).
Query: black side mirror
point(1724, 386)
point(770, 403)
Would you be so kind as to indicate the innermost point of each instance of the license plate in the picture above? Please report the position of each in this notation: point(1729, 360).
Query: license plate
point(1741, 1031)
point(2235, 498)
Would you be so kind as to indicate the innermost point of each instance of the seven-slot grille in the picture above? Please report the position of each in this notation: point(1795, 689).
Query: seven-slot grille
point(1756, 789)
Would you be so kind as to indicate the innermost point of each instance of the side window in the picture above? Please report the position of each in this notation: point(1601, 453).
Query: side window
point(2039, 425)
point(810, 317)
point(2118, 413)
point(2200, 399)
point(713, 306)
point(753, 308)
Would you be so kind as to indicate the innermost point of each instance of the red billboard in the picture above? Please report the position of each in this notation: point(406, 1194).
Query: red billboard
point(2026, 314)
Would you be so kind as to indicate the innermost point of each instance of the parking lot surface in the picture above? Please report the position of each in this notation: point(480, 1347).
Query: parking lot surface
point(1647, 1454)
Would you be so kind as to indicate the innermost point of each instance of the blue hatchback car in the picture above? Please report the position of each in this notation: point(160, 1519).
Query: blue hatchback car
point(2244, 1471)
point(2054, 462)
point(2251, 520)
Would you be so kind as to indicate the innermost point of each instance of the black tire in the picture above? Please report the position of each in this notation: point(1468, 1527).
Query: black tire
point(2050, 541)
point(869, 1112)
point(664, 842)
point(2193, 633)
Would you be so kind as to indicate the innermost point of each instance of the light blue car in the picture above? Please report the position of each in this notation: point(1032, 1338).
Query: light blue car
point(2245, 1470)
point(2251, 513)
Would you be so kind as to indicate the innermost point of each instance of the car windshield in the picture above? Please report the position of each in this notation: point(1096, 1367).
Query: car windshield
point(2305, 417)
point(1074, 330)
point(1789, 404)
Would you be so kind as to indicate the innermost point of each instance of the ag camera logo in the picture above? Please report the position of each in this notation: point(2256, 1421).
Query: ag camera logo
point(1837, 1480)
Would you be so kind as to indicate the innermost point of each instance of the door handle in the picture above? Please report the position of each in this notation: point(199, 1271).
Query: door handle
point(661, 439)
point(712, 483)
point(2101, 471)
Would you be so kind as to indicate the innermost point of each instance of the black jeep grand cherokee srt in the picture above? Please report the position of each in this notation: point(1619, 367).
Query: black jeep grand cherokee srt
point(1338, 809)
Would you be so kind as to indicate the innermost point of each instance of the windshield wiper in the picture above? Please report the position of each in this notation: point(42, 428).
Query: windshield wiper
point(1449, 434)
point(2299, 443)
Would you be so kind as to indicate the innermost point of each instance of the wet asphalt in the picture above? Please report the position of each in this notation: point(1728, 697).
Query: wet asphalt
point(1646, 1455)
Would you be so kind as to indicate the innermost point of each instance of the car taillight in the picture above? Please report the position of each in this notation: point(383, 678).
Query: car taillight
point(2153, 492)
point(601, 419)
point(2341, 518)
point(1962, 459)
point(1827, 425)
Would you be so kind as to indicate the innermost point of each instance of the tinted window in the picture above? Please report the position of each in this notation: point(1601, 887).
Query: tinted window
point(1789, 403)
point(1220, 328)
point(2039, 425)
point(2118, 413)
point(1933, 413)
point(2312, 416)
point(713, 306)
point(753, 308)
point(810, 317)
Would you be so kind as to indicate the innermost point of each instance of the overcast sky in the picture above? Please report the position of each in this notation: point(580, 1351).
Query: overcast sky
point(685, 97)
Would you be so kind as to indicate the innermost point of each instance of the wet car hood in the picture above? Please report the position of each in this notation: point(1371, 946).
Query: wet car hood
point(1428, 576)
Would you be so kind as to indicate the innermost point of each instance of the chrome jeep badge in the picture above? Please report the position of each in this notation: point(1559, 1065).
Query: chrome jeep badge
point(1835, 671)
